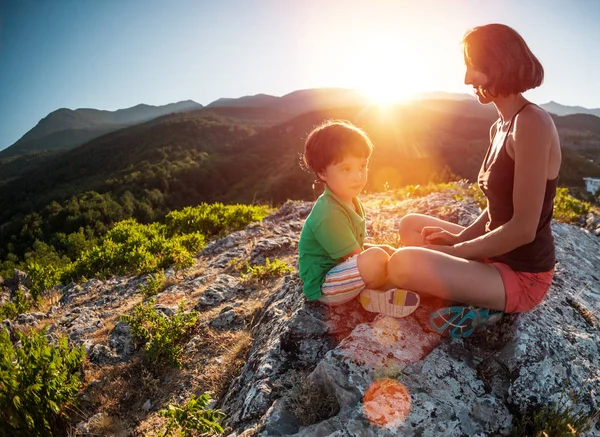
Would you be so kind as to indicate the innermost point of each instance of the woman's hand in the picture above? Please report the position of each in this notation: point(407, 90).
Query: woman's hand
point(433, 235)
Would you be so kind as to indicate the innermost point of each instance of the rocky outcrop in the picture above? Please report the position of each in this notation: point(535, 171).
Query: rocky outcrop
point(457, 387)
point(305, 355)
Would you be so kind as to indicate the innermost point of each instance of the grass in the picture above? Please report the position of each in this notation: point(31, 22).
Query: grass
point(270, 269)
point(563, 418)
point(311, 403)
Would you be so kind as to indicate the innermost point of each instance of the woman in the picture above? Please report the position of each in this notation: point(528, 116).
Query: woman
point(504, 260)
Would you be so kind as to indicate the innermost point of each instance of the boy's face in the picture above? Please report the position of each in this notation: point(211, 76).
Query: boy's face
point(346, 178)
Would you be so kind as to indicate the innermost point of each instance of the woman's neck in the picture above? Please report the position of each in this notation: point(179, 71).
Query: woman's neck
point(509, 105)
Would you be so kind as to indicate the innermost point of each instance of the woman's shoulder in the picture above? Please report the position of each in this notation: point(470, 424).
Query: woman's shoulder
point(536, 115)
point(535, 120)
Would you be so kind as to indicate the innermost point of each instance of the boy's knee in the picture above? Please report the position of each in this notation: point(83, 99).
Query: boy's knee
point(374, 255)
point(373, 262)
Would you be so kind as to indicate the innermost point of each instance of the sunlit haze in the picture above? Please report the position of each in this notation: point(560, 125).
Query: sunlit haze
point(112, 54)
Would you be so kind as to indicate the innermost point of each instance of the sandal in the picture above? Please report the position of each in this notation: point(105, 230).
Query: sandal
point(393, 303)
point(461, 321)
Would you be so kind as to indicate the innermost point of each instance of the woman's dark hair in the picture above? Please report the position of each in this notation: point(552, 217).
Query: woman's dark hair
point(502, 54)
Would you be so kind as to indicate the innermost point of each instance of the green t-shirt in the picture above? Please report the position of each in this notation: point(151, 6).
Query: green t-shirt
point(331, 231)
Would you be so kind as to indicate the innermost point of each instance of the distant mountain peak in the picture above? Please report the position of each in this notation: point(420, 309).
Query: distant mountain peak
point(84, 124)
point(560, 109)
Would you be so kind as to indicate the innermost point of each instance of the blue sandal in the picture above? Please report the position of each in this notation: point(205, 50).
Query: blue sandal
point(460, 321)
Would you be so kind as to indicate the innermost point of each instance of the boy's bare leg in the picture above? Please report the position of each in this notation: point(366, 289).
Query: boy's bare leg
point(372, 266)
point(412, 224)
point(455, 279)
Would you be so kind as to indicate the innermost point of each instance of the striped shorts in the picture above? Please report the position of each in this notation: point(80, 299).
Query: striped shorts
point(342, 283)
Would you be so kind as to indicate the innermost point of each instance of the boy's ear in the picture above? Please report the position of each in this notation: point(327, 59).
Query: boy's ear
point(322, 176)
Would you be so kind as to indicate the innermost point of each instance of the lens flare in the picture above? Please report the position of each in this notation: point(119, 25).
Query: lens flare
point(386, 403)
point(386, 330)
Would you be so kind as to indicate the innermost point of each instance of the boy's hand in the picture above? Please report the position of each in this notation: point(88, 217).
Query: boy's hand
point(438, 236)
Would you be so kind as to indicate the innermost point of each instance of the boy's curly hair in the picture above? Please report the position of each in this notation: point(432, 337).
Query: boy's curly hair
point(330, 142)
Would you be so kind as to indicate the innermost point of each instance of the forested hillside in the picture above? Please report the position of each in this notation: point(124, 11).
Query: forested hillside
point(241, 155)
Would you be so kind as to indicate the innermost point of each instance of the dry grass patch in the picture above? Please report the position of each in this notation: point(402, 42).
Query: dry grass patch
point(219, 357)
point(311, 403)
point(106, 425)
point(170, 299)
point(101, 335)
point(48, 301)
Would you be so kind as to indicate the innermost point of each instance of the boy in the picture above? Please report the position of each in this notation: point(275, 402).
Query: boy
point(335, 264)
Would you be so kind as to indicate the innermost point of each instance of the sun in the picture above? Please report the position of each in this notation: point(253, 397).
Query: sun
point(388, 70)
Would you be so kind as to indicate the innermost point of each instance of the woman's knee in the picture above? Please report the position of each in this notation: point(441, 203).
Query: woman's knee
point(410, 227)
point(400, 265)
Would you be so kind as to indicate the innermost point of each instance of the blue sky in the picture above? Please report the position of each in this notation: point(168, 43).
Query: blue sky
point(114, 54)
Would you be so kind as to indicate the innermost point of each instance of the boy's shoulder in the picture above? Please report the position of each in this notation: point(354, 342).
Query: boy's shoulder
point(326, 207)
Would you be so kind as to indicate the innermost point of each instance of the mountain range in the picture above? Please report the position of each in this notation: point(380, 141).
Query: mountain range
point(66, 128)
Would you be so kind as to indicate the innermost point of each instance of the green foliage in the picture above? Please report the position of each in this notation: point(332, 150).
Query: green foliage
point(193, 416)
point(567, 208)
point(562, 419)
point(154, 284)
point(213, 219)
point(130, 247)
point(475, 192)
point(20, 304)
point(269, 270)
point(43, 277)
point(38, 382)
point(158, 333)
point(414, 191)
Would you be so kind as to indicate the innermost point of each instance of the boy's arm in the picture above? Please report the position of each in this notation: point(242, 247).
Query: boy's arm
point(334, 234)
point(351, 254)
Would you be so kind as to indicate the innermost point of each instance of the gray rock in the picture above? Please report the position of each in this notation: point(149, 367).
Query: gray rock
point(224, 288)
point(167, 310)
point(224, 319)
point(102, 355)
point(121, 340)
point(280, 420)
point(147, 405)
point(79, 322)
point(29, 319)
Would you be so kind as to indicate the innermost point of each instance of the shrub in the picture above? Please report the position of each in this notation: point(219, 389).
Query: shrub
point(193, 416)
point(568, 209)
point(158, 333)
point(213, 219)
point(39, 381)
point(559, 419)
point(269, 270)
point(20, 304)
point(154, 284)
point(412, 191)
point(131, 247)
point(43, 277)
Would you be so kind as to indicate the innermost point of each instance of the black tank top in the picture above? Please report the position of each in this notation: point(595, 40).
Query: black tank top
point(496, 180)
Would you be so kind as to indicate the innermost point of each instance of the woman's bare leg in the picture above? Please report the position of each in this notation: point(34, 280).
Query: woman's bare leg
point(455, 279)
point(412, 224)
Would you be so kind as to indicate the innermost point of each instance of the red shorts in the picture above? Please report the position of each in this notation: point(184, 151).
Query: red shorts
point(523, 290)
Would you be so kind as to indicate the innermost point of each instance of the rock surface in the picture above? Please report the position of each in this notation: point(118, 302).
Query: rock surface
point(472, 387)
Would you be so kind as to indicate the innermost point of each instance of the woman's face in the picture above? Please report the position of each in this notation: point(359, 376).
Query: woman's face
point(478, 80)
